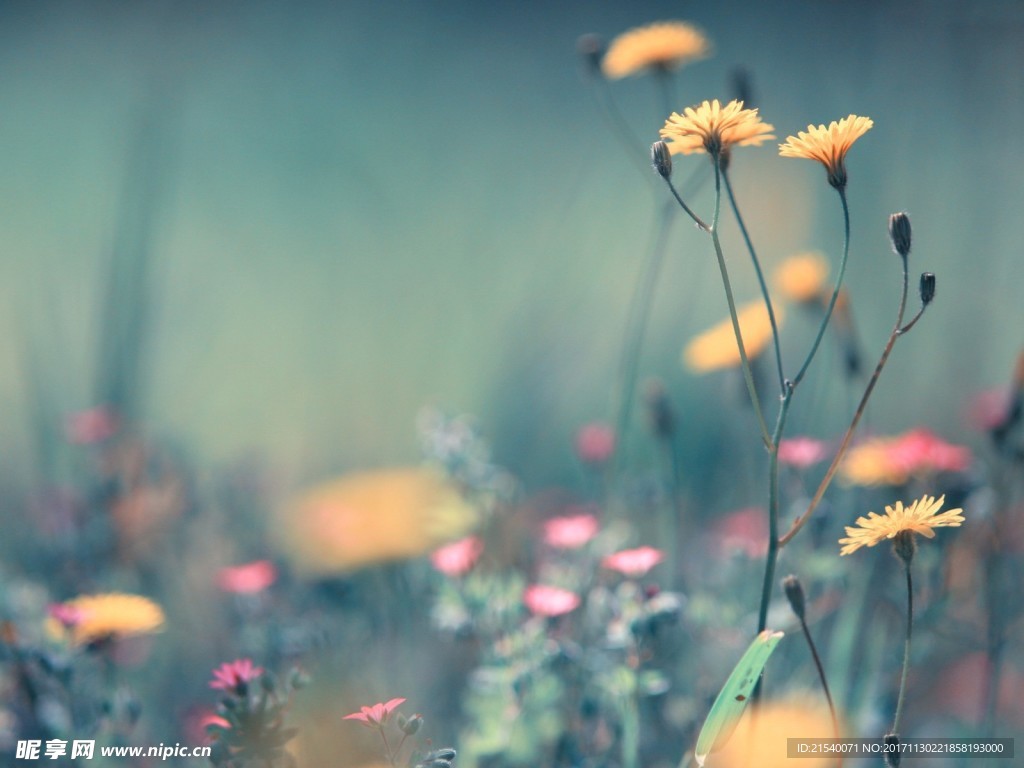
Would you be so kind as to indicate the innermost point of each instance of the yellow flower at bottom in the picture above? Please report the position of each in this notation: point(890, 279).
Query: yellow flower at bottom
point(666, 45)
point(801, 278)
point(764, 741)
point(716, 347)
point(919, 517)
point(374, 517)
point(113, 615)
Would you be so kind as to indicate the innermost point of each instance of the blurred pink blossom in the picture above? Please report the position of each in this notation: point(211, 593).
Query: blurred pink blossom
point(633, 562)
point(67, 615)
point(745, 530)
point(93, 425)
point(544, 600)
point(248, 578)
point(570, 531)
point(595, 443)
point(922, 451)
point(988, 410)
point(233, 675)
point(802, 452)
point(457, 558)
point(376, 715)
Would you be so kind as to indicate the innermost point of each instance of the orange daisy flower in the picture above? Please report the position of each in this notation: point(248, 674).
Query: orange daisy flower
point(828, 145)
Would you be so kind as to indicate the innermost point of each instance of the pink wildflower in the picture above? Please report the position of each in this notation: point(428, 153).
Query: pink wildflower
point(457, 558)
point(544, 600)
point(377, 715)
point(745, 530)
point(571, 531)
point(235, 675)
point(93, 425)
point(595, 443)
point(247, 579)
point(633, 562)
point(67, 615)
point(922, 451)
point(987, 410)
point(801, 452)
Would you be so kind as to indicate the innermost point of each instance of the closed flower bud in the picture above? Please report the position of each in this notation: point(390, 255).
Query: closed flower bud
point(899, 233)
point(892, 750)
point(927, 288)
point(663, 418)
point(591, 48)
point(795, 595)
point(661, 159)
point(412, 725)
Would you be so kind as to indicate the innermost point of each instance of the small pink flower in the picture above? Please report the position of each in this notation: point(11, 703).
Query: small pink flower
point(745, 530)
point(595, 443)
point(377, 715)
point(457, 558)
point(544, 600)
point(93, 425)
point(633, 562)
point(571, 531)
point(235, 675)
point(802, 452)
point(247, 579)
point(922, 451)
point(989, 409)
point(67, 615)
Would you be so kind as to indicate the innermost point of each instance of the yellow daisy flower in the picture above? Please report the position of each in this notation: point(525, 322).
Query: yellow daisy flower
point(712, 128)
point(716, 347)
point(762, 740)
point(801, 278)
point(828, 145)
point(919, 517)
point(114, 615)
point(663, 45)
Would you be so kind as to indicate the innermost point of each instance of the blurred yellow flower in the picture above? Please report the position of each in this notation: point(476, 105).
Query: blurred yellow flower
point(869, 463)
point(712, 128)
point(716, 348)
point(764, 741)
point(828, 145)
point(663, 45)
point(374, 517)
point(114, 615)
point(919, 517)
point(801, 278)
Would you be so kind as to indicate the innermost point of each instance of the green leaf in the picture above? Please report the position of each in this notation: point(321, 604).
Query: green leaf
point(732, 699)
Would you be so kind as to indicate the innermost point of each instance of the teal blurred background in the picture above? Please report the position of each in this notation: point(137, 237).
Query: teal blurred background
point(363, 208)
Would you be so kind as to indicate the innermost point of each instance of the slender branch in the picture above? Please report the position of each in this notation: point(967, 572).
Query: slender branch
point(697, 219)
point(835, 291)
point(748, 375)
point(906, 649)
point(773, 510)
point(760, 280)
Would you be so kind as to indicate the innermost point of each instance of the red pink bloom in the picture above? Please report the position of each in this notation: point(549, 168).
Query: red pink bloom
point(544, 600)
point(377, 715)
point(633, 562)
point(595, 443)
point(234, 675)
point(571, 531)
point(247, 579)
point(802, 452)
point(457, 558)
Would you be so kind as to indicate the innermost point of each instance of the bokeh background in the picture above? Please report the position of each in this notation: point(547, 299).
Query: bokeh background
point(349, 211)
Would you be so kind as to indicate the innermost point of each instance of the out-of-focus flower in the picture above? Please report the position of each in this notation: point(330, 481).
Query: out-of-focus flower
point(762, 741)
point(716, 348)
point(801, 278)
point(112, 615)
point(714, 129)
point(828, 145)
point(93, 425)
point(374, 517)
point(570, 531)
point(920, 517)
point(802, 452)
point(247, 579)
point(457, 558)
point(633, 562)
point(545, 600)
point(893, 460)
point(595, 443)
point(745, 530)
point(664, 45)
point(987, 410)
point(235, 675)
point(376, 715)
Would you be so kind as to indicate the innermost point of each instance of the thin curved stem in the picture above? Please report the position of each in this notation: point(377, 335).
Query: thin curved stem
point(835, 291)
point(697, 219)
point(821, 676)
point(617, 122)
point(760, 279)
point(748, 375)
point(861, 406)
point(906, 651)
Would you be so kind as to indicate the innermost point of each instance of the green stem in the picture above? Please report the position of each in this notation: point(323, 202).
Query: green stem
point(748, 375)
point(773, 511)
point(906, 650)
point(835, 291)
point(760, 279)
point(689, 212)
point(821, 676)
point(630, 732)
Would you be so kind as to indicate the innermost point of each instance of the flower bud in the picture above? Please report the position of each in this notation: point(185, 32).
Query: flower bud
point(892, 750)
point(899, 233)
point(927, 288)
point(411, 725)
point(661, 159)
point(795, 595)
point(590, 47)
point(660, 412)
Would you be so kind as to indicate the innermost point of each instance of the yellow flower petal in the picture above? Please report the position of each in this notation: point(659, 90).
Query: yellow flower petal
point(665, 44)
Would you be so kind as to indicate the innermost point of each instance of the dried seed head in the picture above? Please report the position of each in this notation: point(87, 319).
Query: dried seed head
point(661, 159)
point(795, 595)
point(927, 288)
point(899, 233)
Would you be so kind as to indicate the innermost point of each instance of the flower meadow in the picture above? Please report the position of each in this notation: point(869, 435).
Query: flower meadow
point(752, 520)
